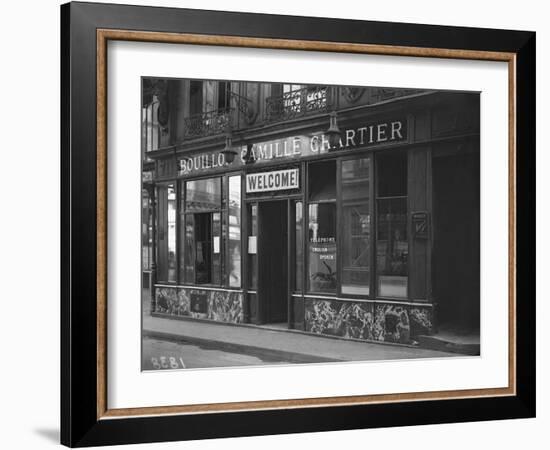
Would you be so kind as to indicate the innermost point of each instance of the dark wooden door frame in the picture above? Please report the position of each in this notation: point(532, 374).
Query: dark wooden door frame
point(263, 309)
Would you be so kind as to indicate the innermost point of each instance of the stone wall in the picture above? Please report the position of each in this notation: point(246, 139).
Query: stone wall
point(222, 306)
point(368, 320)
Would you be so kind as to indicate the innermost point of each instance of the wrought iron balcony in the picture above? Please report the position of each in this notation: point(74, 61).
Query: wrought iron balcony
point(297, 103)
point(382, 94)
point(208, 123)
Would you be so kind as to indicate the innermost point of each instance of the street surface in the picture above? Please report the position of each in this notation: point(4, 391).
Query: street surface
point(161, 355)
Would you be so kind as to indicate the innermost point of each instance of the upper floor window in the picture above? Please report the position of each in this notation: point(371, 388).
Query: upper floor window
point(224, 94)
point(150, 125)
point(195, 97)
point(292, 100)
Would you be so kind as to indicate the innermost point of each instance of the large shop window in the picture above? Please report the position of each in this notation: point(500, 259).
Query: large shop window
point(391, 238)
point(356, 226)
point(210, 231)
point(234, 220)
point(252, 246)
point(299, 245)
point(200, 227)
point(322, 260)
point(150, 126)
point(146, 231)
point(167, 233)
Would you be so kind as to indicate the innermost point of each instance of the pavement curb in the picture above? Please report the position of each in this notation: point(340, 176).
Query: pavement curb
point(434, 343)
point(282, 330)
point(251, 350)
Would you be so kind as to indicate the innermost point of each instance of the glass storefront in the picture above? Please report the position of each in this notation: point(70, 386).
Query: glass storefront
point(391, 236)
point(322, 257)
point(356, 226)
point(234, 235)
point(348, 230)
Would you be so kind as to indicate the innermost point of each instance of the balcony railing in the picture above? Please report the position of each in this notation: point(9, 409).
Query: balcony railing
point(382, 94)
point(297, 103)
point(290, 105)
point(208, 123)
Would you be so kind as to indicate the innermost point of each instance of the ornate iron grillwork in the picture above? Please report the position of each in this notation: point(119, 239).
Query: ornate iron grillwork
point(382, 94)
point(245, 106)
point(297, 103)
point(208, 123)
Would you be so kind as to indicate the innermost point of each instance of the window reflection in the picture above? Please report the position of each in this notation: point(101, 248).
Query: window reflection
point(189, 252)
point(203, 248)
point(234, 250)
point(203, 195)
point(392, 247)
point(322, 247)
point(216, 248)
point(299, 243)
point(356, 226)
point(171, 225)
point(146, 230)
point(252, 246)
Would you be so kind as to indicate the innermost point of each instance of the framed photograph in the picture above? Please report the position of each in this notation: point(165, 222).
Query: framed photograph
point(277, 224)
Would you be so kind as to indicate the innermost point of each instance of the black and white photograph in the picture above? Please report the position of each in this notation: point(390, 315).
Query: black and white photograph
point(291, 223)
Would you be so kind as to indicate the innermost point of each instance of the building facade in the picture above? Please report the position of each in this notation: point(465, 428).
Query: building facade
point(335, 210)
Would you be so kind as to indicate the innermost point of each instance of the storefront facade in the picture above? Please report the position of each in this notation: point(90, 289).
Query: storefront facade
point(303, 231)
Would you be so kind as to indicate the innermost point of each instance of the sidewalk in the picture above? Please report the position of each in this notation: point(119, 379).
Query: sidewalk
point(452, 340)
point(290, 345)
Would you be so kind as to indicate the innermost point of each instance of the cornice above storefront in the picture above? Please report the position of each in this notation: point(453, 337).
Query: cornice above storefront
point(317, 122)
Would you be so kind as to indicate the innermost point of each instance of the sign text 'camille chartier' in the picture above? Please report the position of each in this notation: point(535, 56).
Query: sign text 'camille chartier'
point(276, 180)
point(292, 147)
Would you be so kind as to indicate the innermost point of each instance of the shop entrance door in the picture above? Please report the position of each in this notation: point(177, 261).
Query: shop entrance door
point(272, 262)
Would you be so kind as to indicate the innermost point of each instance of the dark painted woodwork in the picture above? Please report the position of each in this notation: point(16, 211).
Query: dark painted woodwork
point(297, 305)
point(272, 261)
point(456, 239)
point(162, 234)
point(417, 187)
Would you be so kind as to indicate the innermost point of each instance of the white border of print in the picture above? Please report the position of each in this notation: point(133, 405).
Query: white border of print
point(128, 387)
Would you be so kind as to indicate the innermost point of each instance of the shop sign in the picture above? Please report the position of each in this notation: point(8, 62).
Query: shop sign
point(147, 176)
point(325, 247)
point(318, 143)
point(420, 224)
point(295, 147)
point(277, 180)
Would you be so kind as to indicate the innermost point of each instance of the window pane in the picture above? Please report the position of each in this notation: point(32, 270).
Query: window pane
point(203, 195)
point(299, 251)
point(216, 248)
point(392, 174)
point(355, 179)
point(252, 246)
point(392, 247)
point(203, 248)
point(234, 261)
point(189, 249)
point(195, 97)
point(322, 181)
point(146, 222)
point(171, 210)
point(356, 227)
point(224, 94)
point(356, 249)
point(322, 247)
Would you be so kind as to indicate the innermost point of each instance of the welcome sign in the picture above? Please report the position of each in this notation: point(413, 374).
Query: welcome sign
point(277, 180)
